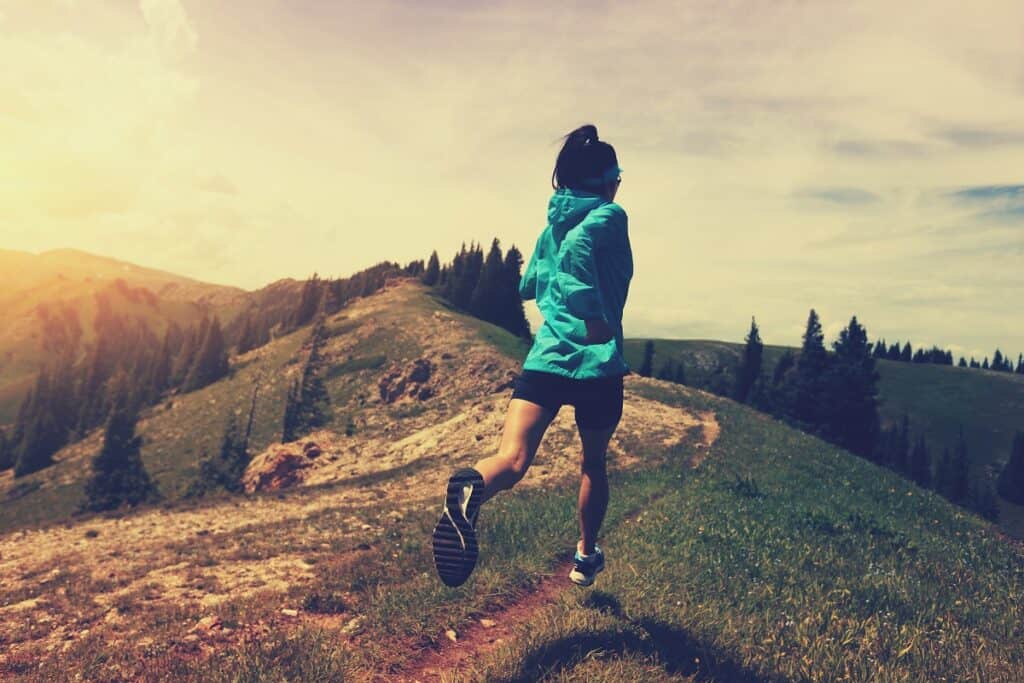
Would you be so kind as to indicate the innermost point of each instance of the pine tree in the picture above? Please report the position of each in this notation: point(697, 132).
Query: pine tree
point(224, 470)
point(43, 435)
point(962, 363)
point(1011, 479)
point(309, 303)
point(484, 302)
point(894, 351)
point(974, 363)
point(247, 335)
point(750, 366)
point(291, 411)
point(433, 272)
point(6, 456)
point(1020, 363)
point(211, 363)
point(314, 401)
point(667, 372)
point(959, 486)
point(849, 402)
point(920, 463)
point(514, 316)
point(118, 474)
point(809, 389)
point(901, 447)
point(680, 376)
point(997, 360)
point(907, 354)
point(647, 367)
point(944, 474)
point(984, 364)
point(983, 500)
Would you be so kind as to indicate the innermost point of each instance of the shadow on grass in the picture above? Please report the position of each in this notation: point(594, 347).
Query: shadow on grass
point(672, 647)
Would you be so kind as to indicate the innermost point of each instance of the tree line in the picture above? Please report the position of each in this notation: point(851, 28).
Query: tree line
point(834, 395)
point(907, 354)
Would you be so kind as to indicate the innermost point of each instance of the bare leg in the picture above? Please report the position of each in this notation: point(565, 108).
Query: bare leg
point(593, 499)
point(525, 423)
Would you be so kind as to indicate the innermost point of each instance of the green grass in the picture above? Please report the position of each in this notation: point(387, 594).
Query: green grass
point(780, 558)
point(937, 398)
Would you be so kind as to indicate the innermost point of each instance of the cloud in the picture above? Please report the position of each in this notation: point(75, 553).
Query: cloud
point(981, 137)
point(882, 149)
point(843, 196)
point(990, 192)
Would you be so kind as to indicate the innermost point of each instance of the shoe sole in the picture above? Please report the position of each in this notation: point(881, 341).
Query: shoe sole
point(454, 538)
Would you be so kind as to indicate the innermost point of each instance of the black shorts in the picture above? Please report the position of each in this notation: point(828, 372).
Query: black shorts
point(598, 402)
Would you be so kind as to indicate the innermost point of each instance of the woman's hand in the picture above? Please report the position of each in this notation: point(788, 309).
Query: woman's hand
point(598, 332)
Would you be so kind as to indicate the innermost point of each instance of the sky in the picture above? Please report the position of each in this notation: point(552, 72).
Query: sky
point(858, 157)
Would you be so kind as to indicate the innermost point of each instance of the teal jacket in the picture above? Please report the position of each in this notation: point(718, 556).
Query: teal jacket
point(580, 270)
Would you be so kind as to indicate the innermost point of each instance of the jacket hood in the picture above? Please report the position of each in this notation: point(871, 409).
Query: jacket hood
point(568, 207)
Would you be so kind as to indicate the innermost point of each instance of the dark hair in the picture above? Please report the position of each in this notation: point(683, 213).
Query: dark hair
point(583, 159)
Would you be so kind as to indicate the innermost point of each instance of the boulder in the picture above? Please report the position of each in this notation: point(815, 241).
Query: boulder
point(276, 468)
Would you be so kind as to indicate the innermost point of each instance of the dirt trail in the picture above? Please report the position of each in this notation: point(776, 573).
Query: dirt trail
point(491, 630)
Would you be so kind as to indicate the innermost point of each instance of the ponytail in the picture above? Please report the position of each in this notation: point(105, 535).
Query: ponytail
point(584, 161)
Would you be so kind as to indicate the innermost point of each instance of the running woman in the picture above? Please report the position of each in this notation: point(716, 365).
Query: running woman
point(579, 274)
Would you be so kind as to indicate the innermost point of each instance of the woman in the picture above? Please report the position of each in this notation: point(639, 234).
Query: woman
point(579, 274)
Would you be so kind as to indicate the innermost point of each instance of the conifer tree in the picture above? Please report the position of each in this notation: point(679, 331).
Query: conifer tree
point(962, 363)
point(944, 473)
point(894, 351)
point(750, 366)
point(43, 435)
point(514, 316)
point(160, 372)
point(309, 302)
point(1011, 479)
point(974, 363)
point(433, 272)
point(118, 474)
point(849, 402)
point(211, 363)
point(901, 447)
point(907, 354)
point(680, 376)
point(291, 412)
point(983, 500)
point(997, 360)
point(809, 389)
point(984, 364)
point(225, 469)
point(647, 367)
point(959, 486)
point(920, 463)
point(667, 372)
point(247, 335)
point(484, 302)
point(1020, 363)
point(6, 459)
point(314, 401)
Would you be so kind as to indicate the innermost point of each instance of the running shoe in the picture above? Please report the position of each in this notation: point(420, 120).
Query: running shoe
point(586, 567)
point(455, 546)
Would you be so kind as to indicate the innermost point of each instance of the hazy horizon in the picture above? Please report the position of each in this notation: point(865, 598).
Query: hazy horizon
point(841, 156)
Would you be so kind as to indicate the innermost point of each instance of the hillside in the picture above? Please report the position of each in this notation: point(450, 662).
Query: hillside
point(937, 398)
point(739, 549)
point(38, 287)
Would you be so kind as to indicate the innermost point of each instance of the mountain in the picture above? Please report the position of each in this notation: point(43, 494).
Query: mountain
point(67, 282)
point(738, 549)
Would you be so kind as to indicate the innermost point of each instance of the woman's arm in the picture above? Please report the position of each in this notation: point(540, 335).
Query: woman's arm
point(580, 285)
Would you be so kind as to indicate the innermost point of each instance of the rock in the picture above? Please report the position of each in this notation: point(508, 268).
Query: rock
point(191, 638)
point(353, 625)
point(290, 612)
point(420, 372)
point(311, 450)
point(488, 623)
point(276, 468)
point(424, 393)
point(207, 624)
point(452, 636)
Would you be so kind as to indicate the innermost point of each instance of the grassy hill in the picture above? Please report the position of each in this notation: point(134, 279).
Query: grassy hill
point(738, 548)
point(938, 399)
